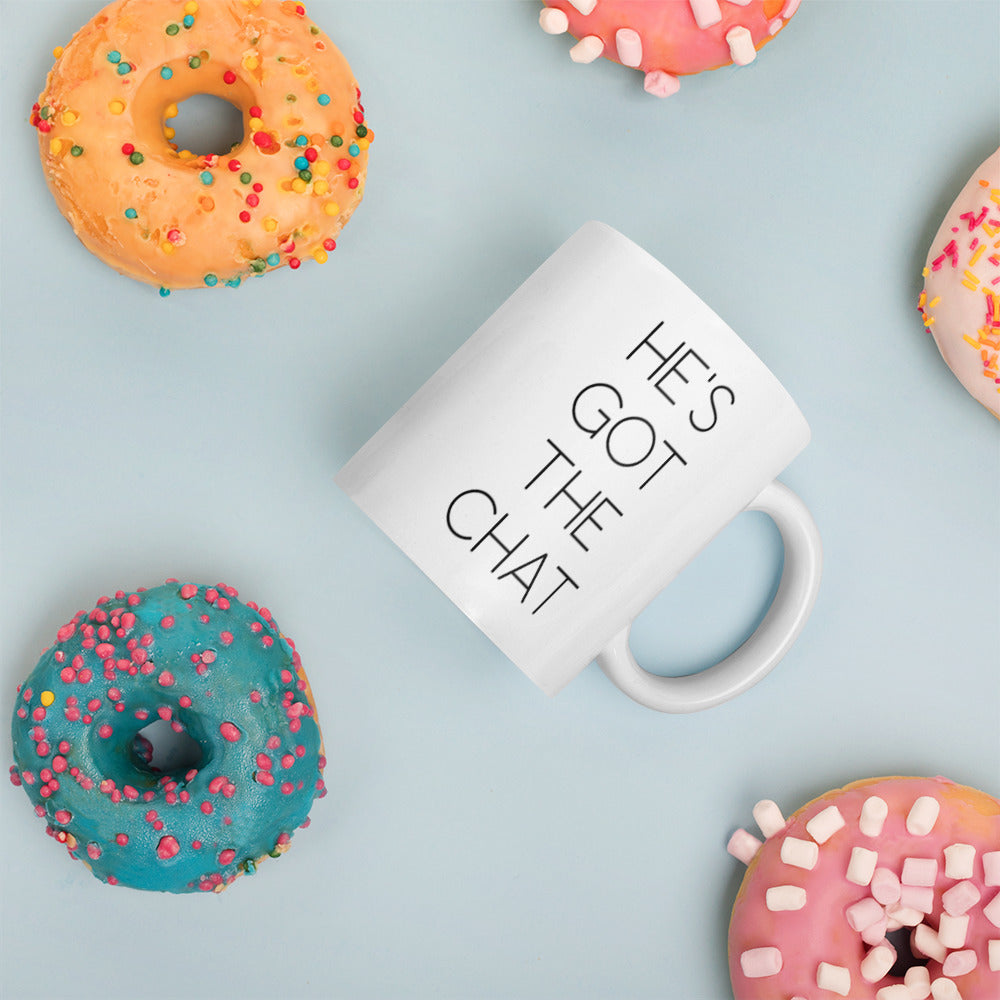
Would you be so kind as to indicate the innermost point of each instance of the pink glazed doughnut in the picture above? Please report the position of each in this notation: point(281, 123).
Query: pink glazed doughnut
point(886, 889)
point(960, 301)
point(667, 39)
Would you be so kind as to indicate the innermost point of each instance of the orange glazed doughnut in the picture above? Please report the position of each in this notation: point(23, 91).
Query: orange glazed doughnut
point(886, 889)
point(667, 39)
point(170, 217)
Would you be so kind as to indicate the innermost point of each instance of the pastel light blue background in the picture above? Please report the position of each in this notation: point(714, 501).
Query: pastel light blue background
point(480, 840)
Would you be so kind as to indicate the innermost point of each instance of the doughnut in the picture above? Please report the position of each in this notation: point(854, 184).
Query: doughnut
point(960, 300)
point(221, 675)
point(886, 889)
point(178, 218)
point(667, 39)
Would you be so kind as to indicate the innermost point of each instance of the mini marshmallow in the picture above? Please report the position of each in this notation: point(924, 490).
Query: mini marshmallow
point(960, 898)
point(903, 916)
point(589, 48)
point(768, 817)
point(743, 846)
point(706, 12)
point(660, 84)
point(628, 44)
point(953, 930)
point(994, 955)
point(800, 853)
point(585, 7)
point(898, 991)
point(958, 859)
point(757, 963)
point(991, 868)
point(992, 910)
point(945, 989)
point(553, 21)
point(825, 824)
point(861, 867)
point(922, 816)
point(924, 941)
point(919, 871)
point(885, 886)
point(873, 814)
point(917, 897)
point(834, 978)
point(877, 963)
point(863, 913)
point(785, 897)
point(960, 963)
point(875, 934)
point(918, 981)
point(741, 48)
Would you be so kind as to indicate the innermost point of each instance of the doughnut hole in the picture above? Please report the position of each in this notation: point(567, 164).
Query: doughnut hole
point(206, 125)
point(165, 751)
point(905, 959)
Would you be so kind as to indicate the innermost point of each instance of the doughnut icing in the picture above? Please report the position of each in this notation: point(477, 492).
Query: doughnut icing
point(214, 668)
point(887, 889)
point(960, 300)
point(667, 39)
point(167, 216)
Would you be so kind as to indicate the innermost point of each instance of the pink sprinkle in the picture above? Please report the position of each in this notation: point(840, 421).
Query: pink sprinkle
point(287, 788)
point(167, 621)
point(93, 851)
point(287, 760)
point(184, 701)
point(65, 632)
point(229, 732)
point(63, 816)
point(226, 856)
point(59, 764)
point(206, 807)
point(104, 731)
point(263, 777)
point(226, 638)
point(273, 743)
point(189, 589)
point(121, 839)
point(264, 761)
point(215, 785)
point(166, 679)
point(164, 712)
point(208, 656)
point(167, 847)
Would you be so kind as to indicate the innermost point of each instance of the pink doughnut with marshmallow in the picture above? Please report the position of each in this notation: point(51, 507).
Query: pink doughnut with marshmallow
point(667, 39)
point(887, 889)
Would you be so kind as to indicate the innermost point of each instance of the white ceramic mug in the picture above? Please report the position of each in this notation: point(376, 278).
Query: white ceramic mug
point(563, 466)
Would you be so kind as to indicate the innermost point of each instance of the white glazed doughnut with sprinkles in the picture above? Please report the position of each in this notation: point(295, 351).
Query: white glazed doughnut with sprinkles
point(216, 670)
point(667, 39)
point(960, 300)
point(168, 216)
point(887, 889)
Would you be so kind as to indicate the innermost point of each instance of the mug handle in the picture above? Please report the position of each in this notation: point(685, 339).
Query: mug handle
point(744, 667)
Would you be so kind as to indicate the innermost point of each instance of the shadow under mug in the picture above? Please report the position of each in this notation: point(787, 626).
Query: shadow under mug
point(564, 465)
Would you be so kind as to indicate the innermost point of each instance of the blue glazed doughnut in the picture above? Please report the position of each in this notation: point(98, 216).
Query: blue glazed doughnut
point(213, 668)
